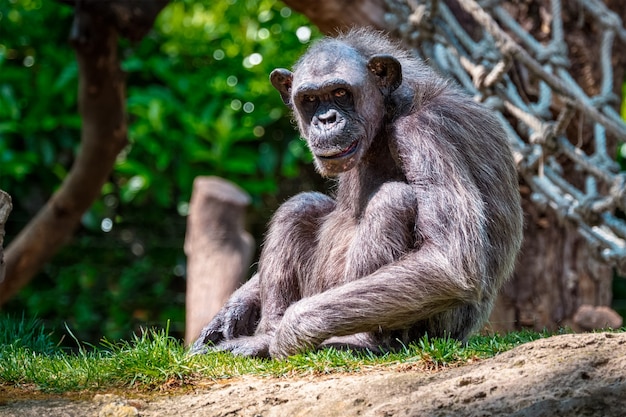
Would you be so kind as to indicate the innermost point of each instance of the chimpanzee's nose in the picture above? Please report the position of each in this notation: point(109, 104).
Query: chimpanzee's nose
point(328, 118)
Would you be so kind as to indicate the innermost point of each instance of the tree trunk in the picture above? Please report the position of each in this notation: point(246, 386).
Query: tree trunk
point(218, 249)
point(556, 273)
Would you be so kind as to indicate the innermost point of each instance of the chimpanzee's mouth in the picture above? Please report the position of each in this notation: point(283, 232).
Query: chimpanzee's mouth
point(343, 153)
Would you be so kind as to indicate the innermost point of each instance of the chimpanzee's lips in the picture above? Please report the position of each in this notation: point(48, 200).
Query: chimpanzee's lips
point(342, 153)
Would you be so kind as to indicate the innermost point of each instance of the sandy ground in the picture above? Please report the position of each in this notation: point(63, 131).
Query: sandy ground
point(567, 375)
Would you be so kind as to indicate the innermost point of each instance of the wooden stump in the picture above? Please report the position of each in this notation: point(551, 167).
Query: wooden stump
point(218, 249)
point(5, 209)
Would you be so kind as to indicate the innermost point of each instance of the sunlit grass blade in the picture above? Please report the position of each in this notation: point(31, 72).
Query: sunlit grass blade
point(154, 359)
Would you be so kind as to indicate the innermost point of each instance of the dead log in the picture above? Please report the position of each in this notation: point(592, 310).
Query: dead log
point(218, 249)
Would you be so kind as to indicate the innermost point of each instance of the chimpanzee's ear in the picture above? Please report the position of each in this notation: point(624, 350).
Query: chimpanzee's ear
point(281, 80)
point(388, 72)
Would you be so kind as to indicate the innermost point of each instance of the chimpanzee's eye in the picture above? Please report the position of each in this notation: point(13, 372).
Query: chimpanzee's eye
point(309, 99)
point(340, 92)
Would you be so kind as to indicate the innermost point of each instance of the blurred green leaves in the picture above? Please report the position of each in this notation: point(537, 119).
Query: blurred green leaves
point(199, 99)
point(39, 125)
point(199, 102)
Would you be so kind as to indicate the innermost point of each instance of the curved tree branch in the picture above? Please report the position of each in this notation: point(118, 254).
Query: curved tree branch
point(101, 97)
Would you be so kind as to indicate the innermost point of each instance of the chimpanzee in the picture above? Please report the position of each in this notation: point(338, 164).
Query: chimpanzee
point(424, 225)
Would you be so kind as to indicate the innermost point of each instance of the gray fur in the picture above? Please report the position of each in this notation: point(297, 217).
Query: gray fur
point(423, 230)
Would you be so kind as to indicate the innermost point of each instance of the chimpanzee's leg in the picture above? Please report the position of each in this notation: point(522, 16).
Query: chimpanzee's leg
point(288, 252)
point(386, 231)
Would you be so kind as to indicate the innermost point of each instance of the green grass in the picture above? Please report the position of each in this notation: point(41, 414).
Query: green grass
point(30, 360)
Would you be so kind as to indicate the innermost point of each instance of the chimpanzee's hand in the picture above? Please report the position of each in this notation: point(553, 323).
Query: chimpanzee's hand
point(238, 317)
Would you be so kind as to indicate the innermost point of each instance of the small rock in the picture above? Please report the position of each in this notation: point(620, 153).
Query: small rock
point(471, 380)
point(114, 406)
point(118, 410)
point(107, 399)
point(592, 318)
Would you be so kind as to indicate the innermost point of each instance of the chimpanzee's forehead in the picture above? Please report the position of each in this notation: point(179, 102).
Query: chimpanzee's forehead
point(331, 59)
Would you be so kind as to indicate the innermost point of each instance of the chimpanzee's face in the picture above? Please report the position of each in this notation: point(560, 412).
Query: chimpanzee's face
point(337, 103)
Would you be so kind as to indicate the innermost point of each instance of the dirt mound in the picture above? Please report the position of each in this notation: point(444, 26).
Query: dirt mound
point(568, 375)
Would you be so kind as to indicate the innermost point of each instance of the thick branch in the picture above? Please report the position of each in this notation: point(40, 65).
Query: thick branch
point(102, 107)
point(132, 18)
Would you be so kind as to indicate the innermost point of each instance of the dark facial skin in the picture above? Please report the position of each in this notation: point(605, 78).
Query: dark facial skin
point(423, 229)
point(326, 95)
point(328, 110)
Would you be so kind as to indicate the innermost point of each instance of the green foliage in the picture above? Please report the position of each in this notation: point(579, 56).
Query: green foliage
point(112, 291)
point(25, 334)
point(39, 125)
point(154, 358)
point(151, 358)
point(199, 99)
point(199, 103)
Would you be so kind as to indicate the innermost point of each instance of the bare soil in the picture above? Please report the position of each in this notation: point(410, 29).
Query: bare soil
point(567, 375)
